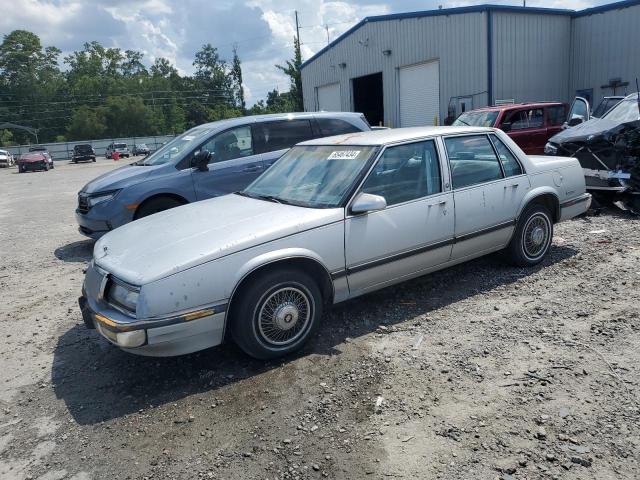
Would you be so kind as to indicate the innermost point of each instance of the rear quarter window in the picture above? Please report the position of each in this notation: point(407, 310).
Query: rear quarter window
point(335, 126)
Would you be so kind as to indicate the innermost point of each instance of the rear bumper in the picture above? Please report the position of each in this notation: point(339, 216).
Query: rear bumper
point(164, 337)
point(575, 206)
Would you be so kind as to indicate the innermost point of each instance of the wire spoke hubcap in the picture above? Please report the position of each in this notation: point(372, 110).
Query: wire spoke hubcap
point(284, 316)
point(536, 236)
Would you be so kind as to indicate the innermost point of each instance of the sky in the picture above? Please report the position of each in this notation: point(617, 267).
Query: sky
point(263, 30)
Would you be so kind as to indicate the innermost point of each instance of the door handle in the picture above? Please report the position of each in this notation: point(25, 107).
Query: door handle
point(515, 185)
point(253, 168)
point(439, 204)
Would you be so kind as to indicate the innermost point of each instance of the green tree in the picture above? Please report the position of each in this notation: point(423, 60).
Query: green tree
point(211, 74)
point(87, 124)
point(292, 70)
point(6, 138)
point(132, 65)
point(126, 117)
point(236, 76)
point(23, 61)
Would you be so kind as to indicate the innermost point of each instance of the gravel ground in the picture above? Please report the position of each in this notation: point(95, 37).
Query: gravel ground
point(478, 371)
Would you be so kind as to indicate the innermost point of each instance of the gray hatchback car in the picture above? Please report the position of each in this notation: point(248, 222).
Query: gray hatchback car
point(207, 161)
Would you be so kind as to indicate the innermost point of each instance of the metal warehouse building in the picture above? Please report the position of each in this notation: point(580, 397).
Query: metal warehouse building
point(418, 68)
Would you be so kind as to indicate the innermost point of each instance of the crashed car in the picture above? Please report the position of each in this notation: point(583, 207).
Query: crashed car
point(44, 151)
point(33, 161)
point(608, 150)
point(334, 218)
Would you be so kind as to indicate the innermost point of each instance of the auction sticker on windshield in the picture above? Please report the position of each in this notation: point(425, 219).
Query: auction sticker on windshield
point(344, 155)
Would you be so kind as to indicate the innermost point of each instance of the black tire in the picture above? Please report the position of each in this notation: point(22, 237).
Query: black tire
point(532, 237)
point(156, 205)
point(46, 167)
point(293, 293)
point(20, 169)
point(52, 166)
point(93, 159)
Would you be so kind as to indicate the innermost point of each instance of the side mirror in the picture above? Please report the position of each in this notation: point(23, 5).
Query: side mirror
point(506, 127)
point(201, 160)
point(577, 120)
point(366, 202)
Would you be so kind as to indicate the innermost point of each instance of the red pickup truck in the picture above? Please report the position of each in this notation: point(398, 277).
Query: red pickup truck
point(530, 125)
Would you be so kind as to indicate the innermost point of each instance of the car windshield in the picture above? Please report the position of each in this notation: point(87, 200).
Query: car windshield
point(175, 149)
point(477, 119)
point(626, 111)
point(605, 105)
point(311, 176)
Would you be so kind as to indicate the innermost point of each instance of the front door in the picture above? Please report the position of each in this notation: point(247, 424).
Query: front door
point(487, 192)
point(233, 164)
point(414, 232)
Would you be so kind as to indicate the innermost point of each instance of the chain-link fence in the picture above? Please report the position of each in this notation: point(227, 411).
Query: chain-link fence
point(64, 150)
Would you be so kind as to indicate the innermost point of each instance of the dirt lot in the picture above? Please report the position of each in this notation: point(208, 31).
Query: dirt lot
point(479, 371)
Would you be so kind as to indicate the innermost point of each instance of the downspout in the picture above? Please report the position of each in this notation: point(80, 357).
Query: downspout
point(489, 57)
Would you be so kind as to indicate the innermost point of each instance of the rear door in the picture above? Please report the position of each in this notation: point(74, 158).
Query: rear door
point(274, 138)
point(487, 191)
point(234, 163)
point(554, 118)
point(528, 129)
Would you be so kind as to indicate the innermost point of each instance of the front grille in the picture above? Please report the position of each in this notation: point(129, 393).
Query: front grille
point(83, 205)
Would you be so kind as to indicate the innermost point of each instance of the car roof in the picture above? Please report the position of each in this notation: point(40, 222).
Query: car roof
point(230, 122)
point(509, 106)
point(393, 135)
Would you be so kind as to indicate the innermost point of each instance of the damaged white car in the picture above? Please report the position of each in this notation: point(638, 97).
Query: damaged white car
point(333, 218)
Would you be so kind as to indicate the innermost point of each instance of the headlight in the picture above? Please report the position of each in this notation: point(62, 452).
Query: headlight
point(550, 149)
point(101, 197)
point(123, 296)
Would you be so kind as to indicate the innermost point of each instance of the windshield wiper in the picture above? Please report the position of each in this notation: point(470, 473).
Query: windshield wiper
point(268, 198)
point(462, 121)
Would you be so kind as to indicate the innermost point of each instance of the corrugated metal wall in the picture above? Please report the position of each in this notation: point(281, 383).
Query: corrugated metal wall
point(457, 41)
point(530, 56)
point(605, 46)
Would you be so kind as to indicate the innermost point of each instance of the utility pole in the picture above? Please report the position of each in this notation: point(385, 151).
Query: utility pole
point(327, 29)
point(297, 28)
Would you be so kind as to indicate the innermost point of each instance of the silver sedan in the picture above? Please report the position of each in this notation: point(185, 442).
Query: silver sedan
point(334, 218)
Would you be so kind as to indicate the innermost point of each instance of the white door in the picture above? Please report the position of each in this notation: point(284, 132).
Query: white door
point(415, 231)
point(329, 98)
point(420, 94)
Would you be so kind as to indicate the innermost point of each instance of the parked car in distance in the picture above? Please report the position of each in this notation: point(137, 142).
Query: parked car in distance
point(608, 149)
point(181, 171)
point(140, 149)
point(33, 161)
point(121, 148)
point(333, 219)
point(44, 151)
point(6, 159)
point(83, 153)
point(530, 125)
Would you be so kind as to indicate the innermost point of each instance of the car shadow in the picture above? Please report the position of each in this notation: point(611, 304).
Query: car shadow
point(81, 251)
point(99, 382)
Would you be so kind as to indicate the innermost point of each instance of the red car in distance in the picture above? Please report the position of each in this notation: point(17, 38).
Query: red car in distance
point(33, 161)
point(530, 125)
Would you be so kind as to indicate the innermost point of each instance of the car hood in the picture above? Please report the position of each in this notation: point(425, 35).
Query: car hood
point(584, 130)
point(168, 242)
point(122, 177)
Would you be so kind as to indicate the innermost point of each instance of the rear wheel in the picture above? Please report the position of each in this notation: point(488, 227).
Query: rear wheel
point(532, 238)
point(276, 313)
point(156, 205)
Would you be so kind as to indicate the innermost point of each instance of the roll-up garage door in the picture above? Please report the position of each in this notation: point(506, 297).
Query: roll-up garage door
point(329, 98)
point(420, 94)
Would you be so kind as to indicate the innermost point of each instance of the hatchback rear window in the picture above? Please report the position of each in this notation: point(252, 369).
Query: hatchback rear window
point(119, 145)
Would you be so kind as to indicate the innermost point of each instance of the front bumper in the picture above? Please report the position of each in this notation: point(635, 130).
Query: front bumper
point(161, 337)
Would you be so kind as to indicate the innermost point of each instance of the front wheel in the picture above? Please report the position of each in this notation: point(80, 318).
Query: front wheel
point(156, 205)
point(532, 238)
point(276, 313)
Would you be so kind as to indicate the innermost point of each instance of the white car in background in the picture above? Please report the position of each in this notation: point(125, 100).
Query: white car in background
point(332, 219)
point(6, 159)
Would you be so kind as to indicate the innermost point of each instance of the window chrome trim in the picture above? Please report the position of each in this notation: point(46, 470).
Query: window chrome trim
point(358, 190)
point(524, 172)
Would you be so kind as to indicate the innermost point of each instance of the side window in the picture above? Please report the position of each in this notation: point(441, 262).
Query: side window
point(406, 172)
point(230, 144)
point(472, 160)
point(509, 162)
point(555, 115)
point(283, 134)
point(521, 119)
point(335, 126)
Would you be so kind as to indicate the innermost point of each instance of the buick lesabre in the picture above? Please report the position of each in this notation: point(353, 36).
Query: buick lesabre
point(333, 219)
